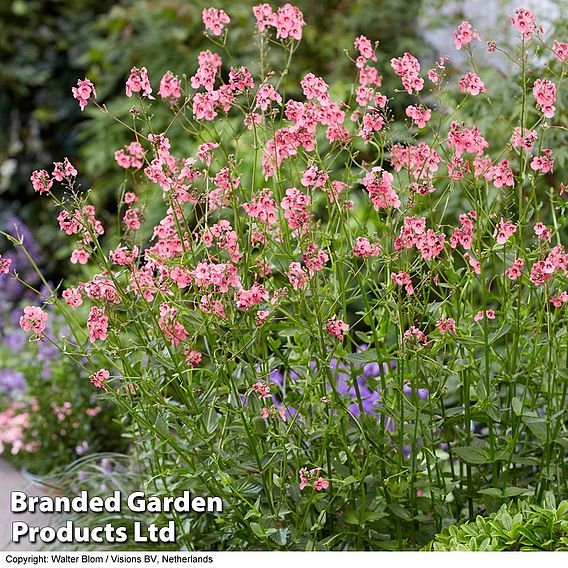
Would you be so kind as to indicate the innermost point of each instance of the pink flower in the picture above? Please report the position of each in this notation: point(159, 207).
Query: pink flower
point(364, 247)
point(320, 484)
point(559, 300)
point(542, 232)
point(515, 270)
point(464, 139)
point(33, 320)
point(314, 259)
point(262, 207)
point(172, 329)
point(138, 82)
point(297, 276)
point(524, 21)
point(465, 34)
point(130, 198)
point(560, 50)
point(296, 209)
point(5, 265)
point(446, 325)
point(365, 48)
point(501, 174)
point(489, 314)
point(131, 219)
point(246, 299)
point(262, 389)
point(215, 20)
point(504, 230)
point(193, 357)
point(472, 84)
point(41, 181)
point(99, 378)
point(83, 91)
point(306, 476)
point(79, 256)
point(407, 67)
point(473, 262)
point(378, 183)
point(523, 138)
point(131, 157)
point(73, 297)
point(289, 22)
point(63, 170)
point(413, 333)
point(170, 87)
point(97, 323)
point(464, 234)
point(265, 17)
point(403, 279)
point(543, 164)
point(544, 91)
point(419, 115)
point(265, 95)
point(336, 327)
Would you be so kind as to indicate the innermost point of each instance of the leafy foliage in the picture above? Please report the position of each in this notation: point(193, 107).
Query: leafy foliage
point(521, 526)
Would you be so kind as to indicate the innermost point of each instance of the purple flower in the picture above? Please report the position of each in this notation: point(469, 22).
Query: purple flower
point(12, 383)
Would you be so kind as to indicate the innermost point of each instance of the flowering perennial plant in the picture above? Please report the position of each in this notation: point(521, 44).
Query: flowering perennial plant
point(303, 245)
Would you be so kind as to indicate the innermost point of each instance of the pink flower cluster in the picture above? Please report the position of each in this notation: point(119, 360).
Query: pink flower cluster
point(215, 20)
point(525, 22)
point(378, 183)
point(336, 327)
point(504, 231)
point(131, 157)
point(523, 138)
point(138, 82)
point(5, 264)
point(515, 270)
point(170, 87)
point(414, 234)
point(312, 476)
point(401, 278)
point(33, 320)
point(408, 68)
point(98, 379)
point(489, 314)
point(464, 35)
point(314, 259)
point(544, 92)
point(364, 247)
point(464, 234)
point(446, 325)
point(246, 299)
point(261, 389)
point(172, 329)
point(97, 324)
point(421, 161)
point(296, 209)
point(83, 92)
point(472, 84)
point(543, 270)
point(288, 20)
point(543, 164)
point(419, 115)
point(463, 139)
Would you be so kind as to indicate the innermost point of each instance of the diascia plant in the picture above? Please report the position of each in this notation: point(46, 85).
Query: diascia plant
point(349, 325)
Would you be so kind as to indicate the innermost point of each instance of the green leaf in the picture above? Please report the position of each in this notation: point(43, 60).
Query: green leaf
point(400, 511)
point(517, 406)
point(492, 492)
point(472, 455)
